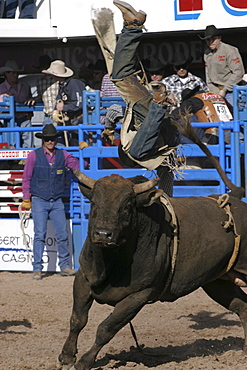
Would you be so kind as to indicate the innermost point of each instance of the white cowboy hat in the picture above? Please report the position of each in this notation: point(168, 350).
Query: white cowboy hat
point(10, 66)
point(58, 68)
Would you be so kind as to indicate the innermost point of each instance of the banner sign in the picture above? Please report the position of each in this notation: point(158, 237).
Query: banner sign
point(13, 253)
point(14, 154)
point(173, 15)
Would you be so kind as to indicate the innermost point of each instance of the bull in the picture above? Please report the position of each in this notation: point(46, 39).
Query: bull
point(137, 252)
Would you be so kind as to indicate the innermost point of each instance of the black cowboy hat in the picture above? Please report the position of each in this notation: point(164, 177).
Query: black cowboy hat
point(180, 59)
point(44, 62)
point(210, 31)
point(48, 131)
point(188, 93)
point(100, 65)
point(153, 64)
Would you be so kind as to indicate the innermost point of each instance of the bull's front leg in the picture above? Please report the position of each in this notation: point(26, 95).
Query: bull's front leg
point(82, 303)
point(122, 314)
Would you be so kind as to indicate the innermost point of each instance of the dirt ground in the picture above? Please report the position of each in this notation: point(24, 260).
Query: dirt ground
point(191, 333)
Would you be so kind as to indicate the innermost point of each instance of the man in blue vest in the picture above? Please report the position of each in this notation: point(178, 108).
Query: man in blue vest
point(43, 188)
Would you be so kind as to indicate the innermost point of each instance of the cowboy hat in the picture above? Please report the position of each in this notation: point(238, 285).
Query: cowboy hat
point(188, 93)
point(48, 131)
point(153, 64)
point(44, 62)
point(98, 66)
point(58, 69)
point(10, 66)
point(180, 59)
point(210, 31)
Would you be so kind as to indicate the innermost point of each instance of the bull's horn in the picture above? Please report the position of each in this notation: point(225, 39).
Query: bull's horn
point(84, 179)
point(144, 186)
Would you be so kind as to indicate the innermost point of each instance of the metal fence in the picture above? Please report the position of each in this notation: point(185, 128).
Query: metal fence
point(99, 159)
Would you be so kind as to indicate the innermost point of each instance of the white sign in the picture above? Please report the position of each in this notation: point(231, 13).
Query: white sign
point(55, 19)
point(168, 15)
point(14, 154)
point(223, 112)
point(13, 253)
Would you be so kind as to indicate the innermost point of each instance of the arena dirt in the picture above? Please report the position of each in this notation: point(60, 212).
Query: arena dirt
point(191, 333)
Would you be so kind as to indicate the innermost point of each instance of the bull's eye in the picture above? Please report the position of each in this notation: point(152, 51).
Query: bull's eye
point(127, 209)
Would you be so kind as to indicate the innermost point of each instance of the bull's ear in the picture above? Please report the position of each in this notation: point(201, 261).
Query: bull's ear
point(148, 197)
point(85, 190)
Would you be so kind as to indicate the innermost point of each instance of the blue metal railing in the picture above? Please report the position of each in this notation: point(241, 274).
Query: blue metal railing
point(196, 182)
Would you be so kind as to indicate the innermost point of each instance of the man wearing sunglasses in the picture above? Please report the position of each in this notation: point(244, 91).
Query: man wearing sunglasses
point(223, 64)
point(182, 79)
point(21, 91)
point(43, 188)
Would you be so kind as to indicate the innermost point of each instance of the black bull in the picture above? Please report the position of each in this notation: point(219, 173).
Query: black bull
point(126, 260)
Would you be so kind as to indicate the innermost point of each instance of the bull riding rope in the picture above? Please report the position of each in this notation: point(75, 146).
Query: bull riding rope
point(24, 218)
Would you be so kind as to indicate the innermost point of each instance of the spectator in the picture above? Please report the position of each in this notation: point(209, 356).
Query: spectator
point(69, 98)
point(98, 70)
point(108, 88)
point(47, 89)
point(27, 9)
point(155, 69)
point(43, 187)
point(223, 64)
point(114, 113)
point(182, 78)
point(22, 94)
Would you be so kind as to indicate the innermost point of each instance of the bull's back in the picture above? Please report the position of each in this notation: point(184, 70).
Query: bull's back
point(204, 247)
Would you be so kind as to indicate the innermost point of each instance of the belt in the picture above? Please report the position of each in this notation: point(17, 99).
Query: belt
point(24, 118)
point(220, 87)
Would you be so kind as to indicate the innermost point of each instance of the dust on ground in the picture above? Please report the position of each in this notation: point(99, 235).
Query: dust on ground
point(192, 333)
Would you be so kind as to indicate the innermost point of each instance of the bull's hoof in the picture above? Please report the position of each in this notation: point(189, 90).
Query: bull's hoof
point(60, 366)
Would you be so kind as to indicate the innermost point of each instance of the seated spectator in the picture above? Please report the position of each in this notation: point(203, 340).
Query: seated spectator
point(114, 113)
point(69, 98)
point(155, 69)
point(98, 71)
point(22, 94)
point(182, 78)
point(27, 9)
point(47, 89)
point(108, 88)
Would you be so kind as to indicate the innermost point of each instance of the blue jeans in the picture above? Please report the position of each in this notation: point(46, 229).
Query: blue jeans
point(26, 12)
point(27, 137)
point(229, 97)
point(148, 113)
point(41, 211)
point(146, 137)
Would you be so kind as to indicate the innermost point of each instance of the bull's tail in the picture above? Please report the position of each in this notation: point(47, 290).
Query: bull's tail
point(186, 129)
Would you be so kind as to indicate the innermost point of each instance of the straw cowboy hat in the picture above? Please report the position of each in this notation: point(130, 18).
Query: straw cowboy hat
point(180, 59)
point(10, 66)
point(210, 31)
point(58, 69)
point(48, 131)
point(153, 64)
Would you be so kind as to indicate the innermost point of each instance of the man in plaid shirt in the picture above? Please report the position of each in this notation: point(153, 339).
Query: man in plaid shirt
point(47, 89)
point(182, 79)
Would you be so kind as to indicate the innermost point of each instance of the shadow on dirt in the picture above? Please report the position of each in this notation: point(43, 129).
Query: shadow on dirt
point(199, 348)
point(210, 320)
point(5, 324)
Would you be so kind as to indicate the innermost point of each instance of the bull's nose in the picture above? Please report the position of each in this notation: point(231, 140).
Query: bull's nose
point(103, 234)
